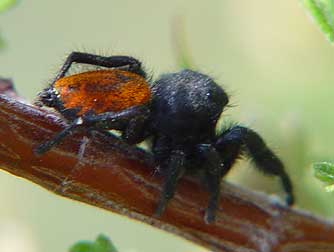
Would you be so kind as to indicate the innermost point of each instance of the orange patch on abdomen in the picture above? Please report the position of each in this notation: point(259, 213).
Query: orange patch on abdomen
point(103, 91)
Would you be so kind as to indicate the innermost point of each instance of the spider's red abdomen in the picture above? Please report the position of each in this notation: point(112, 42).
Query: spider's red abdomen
point(102, 91)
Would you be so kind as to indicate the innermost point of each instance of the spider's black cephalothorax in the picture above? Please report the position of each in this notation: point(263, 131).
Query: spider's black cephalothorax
point(180, 116)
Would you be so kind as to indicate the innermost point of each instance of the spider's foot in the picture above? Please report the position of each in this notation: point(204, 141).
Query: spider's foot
point(289, 199)
point(161, 207)
point(43, 148)
point(210, 216)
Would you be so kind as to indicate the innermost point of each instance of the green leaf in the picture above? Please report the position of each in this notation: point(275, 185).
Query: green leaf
point(324, 171)
point(82, 246)
point(322, 12)
point(101, 244)
point(6, 4)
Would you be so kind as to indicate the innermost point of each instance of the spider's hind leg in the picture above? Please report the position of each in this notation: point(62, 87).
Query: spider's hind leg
point(46, 146)
point(131, 64)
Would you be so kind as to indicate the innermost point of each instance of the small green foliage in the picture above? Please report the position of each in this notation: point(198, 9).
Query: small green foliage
point(324, 171)
point(6, 4)
point(101, 244)
point(322, 12)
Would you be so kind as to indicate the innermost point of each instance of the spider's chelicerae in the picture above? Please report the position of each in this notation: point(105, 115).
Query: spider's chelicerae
point(179, 111)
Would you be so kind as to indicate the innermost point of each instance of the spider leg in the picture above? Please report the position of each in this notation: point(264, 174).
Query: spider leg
point(174, 170)
point(131, 121)
point(233, 141)
point(214, 166)
point(161, 148)
point(131, 64)
point(136, 130)
point(44, 147)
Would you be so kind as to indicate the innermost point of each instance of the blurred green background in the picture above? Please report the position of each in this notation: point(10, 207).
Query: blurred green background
point(270, 57)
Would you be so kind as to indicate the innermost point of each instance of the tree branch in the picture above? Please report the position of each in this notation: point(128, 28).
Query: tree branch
point(105, 172)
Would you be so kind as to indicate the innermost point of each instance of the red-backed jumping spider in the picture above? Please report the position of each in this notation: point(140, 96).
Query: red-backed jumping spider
point(179, 111)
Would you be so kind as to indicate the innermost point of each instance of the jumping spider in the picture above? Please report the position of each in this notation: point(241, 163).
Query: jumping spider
point(179, 111)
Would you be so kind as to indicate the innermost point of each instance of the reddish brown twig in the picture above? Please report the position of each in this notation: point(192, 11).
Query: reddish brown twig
point(105, 172)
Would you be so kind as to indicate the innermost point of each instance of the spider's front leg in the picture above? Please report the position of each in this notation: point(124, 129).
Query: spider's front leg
point(238, 140)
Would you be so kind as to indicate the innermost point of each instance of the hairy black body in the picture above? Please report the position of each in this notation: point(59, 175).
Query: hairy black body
point(181, 119)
